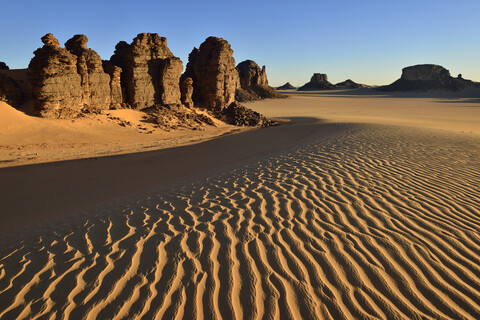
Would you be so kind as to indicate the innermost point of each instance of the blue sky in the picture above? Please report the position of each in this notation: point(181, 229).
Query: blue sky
point(368, 41)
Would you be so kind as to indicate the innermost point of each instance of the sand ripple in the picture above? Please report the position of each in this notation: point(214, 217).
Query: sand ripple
point(373, 222)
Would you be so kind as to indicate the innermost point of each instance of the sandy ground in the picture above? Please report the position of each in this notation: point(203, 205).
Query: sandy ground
point(27, 140)
point(321, 219)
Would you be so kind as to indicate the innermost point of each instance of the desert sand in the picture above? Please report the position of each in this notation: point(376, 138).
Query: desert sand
point(361, 207)
point(27, 140)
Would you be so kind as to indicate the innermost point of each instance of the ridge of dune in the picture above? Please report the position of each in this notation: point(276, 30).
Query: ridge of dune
point(372, 221)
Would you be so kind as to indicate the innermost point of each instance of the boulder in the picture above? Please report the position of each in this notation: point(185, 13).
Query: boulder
point(427, 77)
point(253, 82)
point(186, 90)
point(286, 86)
point(215, 78)
point(150, 72)
point(3, 66)
point(56, 84)
point(318, 81)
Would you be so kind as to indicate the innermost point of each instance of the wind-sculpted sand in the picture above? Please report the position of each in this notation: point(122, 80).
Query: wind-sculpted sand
point(369, 221)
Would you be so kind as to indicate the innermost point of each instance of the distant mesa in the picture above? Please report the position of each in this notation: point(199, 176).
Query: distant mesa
point(425, 77)
point(350, 84)
point(318, 81)
point(253, 83)
point(286, 86)
point(3, 66)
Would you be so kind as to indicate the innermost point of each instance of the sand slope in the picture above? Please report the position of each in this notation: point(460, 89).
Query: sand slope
point(368, 222)
point(29, 140)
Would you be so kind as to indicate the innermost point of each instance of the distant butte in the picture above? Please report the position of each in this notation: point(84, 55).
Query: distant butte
point(318, 81)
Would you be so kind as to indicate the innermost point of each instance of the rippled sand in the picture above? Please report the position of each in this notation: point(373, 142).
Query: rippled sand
point(369, 221)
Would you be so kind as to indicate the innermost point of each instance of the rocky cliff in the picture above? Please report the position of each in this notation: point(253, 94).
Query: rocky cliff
point(151, 73)
point(317, 82)
point(215, 78)
point(428, 77)
point(253, 82)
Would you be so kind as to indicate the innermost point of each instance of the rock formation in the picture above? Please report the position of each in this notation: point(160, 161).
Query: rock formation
point(286, 86)
point(3, 66)
point(253, 82)
point(427, 77)
point(56, 84)
point(317, 82)
point(116, 91)
point(95, 82)
point(186, 90)
point(10, 91)
point(68, 81)
point(349, 84)
point(215, 78)
point(150, 73)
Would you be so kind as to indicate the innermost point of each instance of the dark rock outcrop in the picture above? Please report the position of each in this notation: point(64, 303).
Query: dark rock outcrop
point(317, 82)
point(3, 66)
point(238, 115)
point(427, 77)
point(10, 91)
point(286, 86)
point(253, 83)
point(215, 78)
point(150, 72)
point(186, 91)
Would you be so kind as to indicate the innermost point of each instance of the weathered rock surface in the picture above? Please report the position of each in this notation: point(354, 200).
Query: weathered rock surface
point(317, 82)
point(253, 83)
point(286, 86)
point(3, 66)
point(56, 84)
point(428, 77)
point(350, 84)
point(116, 91)
point(186, 90)
point(95, 82)
point(215, 78)
point(10, 91)
point(151, 73)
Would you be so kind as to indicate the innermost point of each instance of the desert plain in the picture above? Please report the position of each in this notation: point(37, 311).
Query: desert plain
point(358, 206)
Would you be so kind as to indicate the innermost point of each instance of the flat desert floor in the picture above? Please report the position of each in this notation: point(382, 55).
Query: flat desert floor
point(362, 207)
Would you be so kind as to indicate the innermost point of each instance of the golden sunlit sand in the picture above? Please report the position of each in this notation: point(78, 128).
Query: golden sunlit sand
point(362, 207)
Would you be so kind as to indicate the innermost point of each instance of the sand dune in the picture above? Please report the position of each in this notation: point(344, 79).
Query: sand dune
point(29, 140)
point(369, 221)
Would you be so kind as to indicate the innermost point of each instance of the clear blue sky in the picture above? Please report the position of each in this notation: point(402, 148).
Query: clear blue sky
point(369, 41)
